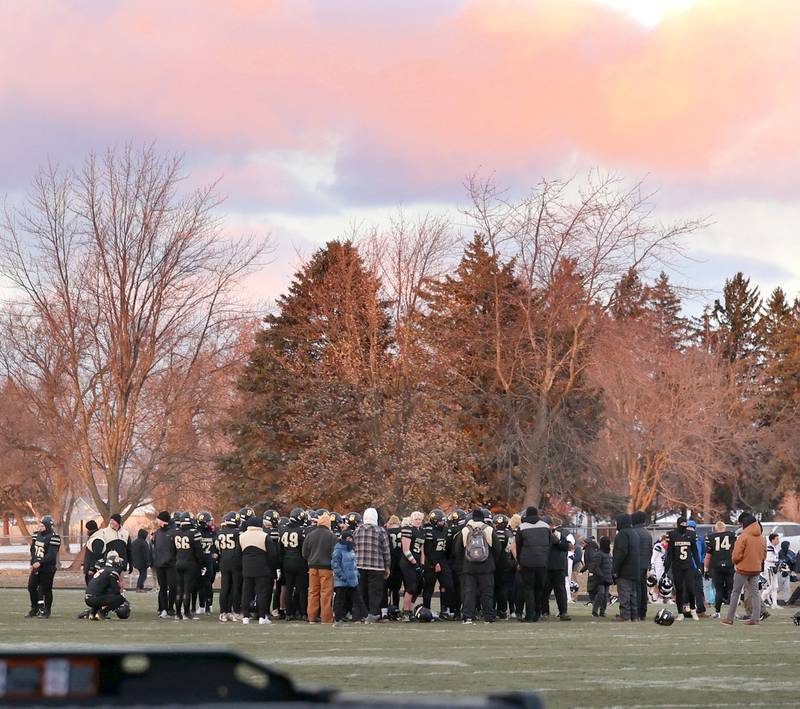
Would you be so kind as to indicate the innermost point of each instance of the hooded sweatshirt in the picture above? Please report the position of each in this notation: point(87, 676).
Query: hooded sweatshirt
point(372, 544)
point(750, 550)
point(638, 520)
point(533, 541)
point(626, 550)
point(140, 551)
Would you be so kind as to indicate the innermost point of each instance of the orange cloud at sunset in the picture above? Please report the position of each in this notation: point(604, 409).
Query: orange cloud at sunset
point(709, 94)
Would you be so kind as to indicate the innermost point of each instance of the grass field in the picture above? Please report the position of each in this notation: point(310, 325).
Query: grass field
point(577, 664)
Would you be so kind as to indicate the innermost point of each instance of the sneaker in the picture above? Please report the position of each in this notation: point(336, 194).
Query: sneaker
point(467, 621)
point(715, 616)
point(178, 616)
point(163, 614)
point(32, 613)
point(602, 614)
point(764, 615)
point(84, 615)
point(680, 616)
point(372, 619)
point(223, 617)
point(512, 616)
point(264, 621)
point(563, 616)
point(245, 621)
point(43, 614)
point(595, 615)
point(694, 615)
point(339, 624)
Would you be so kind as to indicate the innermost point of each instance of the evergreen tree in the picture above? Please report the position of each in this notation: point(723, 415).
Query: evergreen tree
point(664, 307)
point(736, 317)
point(628, 301)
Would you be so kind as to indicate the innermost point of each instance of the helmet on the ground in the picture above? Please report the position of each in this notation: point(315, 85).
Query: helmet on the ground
point(652, 581)
point(796, 619)
point(393, 613)
point(124, 611)
point(353, 519)
point(664, 617)
point(204, 519)
point(500, 520)
point(762, 582)
point(665, 586)
point(436, 517)
point(573, 586)
point(231, 519)
point(423, 614)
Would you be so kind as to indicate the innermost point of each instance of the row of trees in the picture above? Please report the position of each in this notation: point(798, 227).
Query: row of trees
point(541, 367)
point(541, 362)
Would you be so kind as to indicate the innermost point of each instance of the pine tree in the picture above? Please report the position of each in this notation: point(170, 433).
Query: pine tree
point(664, 307)
point(628, 301)
point(735, 318)
point(309, 389)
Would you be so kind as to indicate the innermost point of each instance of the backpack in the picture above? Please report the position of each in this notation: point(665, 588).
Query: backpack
point(476, 550)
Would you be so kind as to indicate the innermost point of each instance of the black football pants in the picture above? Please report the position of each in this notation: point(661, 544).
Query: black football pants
point(167, 588)
point(683, 578)
point(40, 588)
point(504, 589)
point(187, 577)
point(230, 593)
point(206, 585)
point(722, 578)
point(643, 594)
point(445, 579)
point(107, 602)
point(295, 580)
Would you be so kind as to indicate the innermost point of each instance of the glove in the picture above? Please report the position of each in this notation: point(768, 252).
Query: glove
point(278, 575)
point(557, 535)
point(203, 571)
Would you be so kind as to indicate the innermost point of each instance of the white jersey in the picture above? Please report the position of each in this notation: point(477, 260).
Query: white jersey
point(657, 559)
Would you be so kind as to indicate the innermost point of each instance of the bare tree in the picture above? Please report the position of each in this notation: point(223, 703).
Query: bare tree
point(571, 243)
point(133, 285)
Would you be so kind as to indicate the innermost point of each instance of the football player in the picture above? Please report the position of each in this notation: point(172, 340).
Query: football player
point(681, 561)
point(189, 559)
point(353, 521)
point(104, 591)
point(718, 564)
point(455, 523)
point(658, 560)
point(208, 539)
point(412, 562)
point(770, 593)
point(437, 563)
point(505, 568)
point(295, 568)
point(230, 568)
point(395, 580)
point(45, 545)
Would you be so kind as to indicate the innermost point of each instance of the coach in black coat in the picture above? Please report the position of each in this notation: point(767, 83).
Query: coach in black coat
point(626, 568)
point(645, 550)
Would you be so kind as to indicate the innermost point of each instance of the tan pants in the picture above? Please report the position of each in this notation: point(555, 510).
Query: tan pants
point(320, 595)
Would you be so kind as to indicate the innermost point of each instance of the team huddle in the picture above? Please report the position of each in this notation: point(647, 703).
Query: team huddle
point(320, 567)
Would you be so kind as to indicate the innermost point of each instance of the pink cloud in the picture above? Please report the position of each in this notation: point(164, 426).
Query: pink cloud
point(415, 98)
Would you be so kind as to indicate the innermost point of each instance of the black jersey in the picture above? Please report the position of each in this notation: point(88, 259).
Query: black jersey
point(720, 546)
point(104, 582)
point(505, 539)
point(291, 540)
point(436, 544)
point(230, 553)
point(208, 541)
point(682, 550)
point(395, 542)
point(188, 548)
point(44, 549)
point(416, 538)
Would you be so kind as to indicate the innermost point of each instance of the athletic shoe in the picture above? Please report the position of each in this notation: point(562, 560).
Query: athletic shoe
point(512, 616)
point(715, 616)
point(32, 613)
point(178, 616)
point(264, 621)
point(563, 616)
point(694, 615)
point(223, 617)
point(680, 616)
point(195, 616)
point(467, 621)
point(163, 614)
point(339, 624)
point(43, 614)
point(764, 615)
point(245, 621)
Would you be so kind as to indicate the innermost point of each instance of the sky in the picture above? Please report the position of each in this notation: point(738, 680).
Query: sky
point(324, 115)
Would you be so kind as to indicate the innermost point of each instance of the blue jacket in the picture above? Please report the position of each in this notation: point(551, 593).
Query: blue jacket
point(701, 545)
point(343, 563)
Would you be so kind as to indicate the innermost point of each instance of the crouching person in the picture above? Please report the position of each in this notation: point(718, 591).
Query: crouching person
point(104, 591)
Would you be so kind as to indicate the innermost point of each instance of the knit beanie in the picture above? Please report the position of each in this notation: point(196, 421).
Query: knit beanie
point(91, 526)
point(117, 517)
point(477, 515)
point(254, 522)
point(163, 516)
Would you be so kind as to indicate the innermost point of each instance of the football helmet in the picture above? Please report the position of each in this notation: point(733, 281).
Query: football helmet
point(336, 520)
point(115, 561)
point(487, 515)
point(500, 520)
point(664, 617)
point(296, 514)
point(48, 521)
point(423, 614)
point(185, 520)
point(652, 580)
point(353, 519)
point(784, 569)
point(665, 586)
point(231, 519)
point(176, 516)
point(437, 518)
point(796, 618)
point(457, 517)
point(124, 611)
point(762, 582)
point(573, 586)
point(246, 513)
point(204, 519)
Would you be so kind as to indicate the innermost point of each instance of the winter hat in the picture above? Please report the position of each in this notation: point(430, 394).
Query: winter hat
point(681, 522)
point(638, 517)
point(691, 523)
point(371, 516)
point(347, 536)
point(254, 522)
point(164, 516)
point(530, 513)
point(117, 517)
point(142, 534)
point(746, 519)
point(477, 515)
point(605, 545)
point(91, 526)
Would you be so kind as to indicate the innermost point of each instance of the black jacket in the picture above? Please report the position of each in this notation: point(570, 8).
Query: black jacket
point(140, 552)
point(645, 546)
point(601, 568)
point(259, 553)
point(484, 567)
point(557, 558)
point(533, 543)
point(626, 550)
point(589, 551)
point(318, 547)
point(164, 552)
point(103, 583)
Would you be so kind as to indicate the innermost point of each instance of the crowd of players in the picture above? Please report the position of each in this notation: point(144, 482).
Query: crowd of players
point(320, 567)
